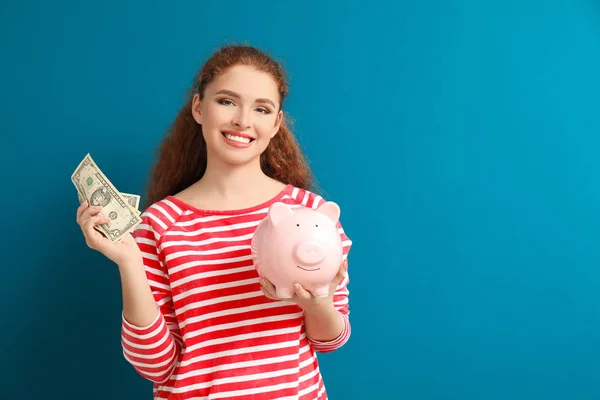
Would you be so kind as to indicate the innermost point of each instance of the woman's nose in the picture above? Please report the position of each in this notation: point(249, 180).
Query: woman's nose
point(241, 120)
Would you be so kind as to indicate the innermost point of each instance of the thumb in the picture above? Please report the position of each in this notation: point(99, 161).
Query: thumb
point(341, 274)
point(302, 293)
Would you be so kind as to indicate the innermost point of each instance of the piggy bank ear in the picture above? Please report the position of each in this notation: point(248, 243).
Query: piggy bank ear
point(330, 209)
point(278, 212)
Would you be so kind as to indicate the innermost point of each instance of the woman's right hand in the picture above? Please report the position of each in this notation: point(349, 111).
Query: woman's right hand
point(121, 252)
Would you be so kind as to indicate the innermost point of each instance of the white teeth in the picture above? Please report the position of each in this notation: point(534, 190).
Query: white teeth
point(237, 138)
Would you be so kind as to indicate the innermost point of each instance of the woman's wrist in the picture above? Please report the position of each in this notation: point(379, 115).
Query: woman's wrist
point(319, 308)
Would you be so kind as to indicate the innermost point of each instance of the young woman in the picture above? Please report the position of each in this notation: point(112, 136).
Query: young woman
point(197, 320)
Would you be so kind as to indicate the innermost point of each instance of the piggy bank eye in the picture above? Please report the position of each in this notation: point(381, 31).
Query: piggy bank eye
point(297, 224)
point(317, 225)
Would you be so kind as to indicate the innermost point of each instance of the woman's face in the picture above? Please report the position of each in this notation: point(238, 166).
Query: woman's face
point(239, 114)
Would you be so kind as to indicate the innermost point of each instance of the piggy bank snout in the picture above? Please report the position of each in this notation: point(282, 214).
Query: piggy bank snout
point(309, 253)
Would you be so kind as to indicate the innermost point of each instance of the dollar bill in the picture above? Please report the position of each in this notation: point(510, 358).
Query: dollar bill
point(92, 185)
point(132, 199)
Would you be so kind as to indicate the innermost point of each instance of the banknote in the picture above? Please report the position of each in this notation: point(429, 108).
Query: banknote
point(132, 199)
point(92, 185)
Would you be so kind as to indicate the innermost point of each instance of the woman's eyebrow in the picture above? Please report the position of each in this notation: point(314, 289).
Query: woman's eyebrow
point(237, 96)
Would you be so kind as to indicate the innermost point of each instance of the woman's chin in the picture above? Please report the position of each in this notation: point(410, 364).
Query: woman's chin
point(238, 158)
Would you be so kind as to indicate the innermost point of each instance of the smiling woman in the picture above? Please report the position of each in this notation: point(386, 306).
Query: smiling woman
point(246, 118)
point(237, 87)
point(197, 319)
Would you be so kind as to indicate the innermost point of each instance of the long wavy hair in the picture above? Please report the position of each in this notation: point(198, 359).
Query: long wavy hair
point(181, 156)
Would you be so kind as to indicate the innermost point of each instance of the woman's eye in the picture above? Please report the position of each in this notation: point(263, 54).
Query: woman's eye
point(226, 102)
point(263, 110)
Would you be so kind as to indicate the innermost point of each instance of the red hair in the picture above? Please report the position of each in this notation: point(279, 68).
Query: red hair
point(181, 157)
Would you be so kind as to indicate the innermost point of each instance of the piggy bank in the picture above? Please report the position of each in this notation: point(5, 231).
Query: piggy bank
point(298, 245)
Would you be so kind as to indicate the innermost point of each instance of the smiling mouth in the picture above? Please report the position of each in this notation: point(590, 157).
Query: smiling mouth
point(307, 269)
point(239, 139)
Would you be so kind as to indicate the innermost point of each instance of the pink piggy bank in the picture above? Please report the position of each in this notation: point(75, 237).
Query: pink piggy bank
point(298, 245)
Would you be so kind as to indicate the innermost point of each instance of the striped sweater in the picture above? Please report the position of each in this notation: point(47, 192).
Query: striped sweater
point(217, 336)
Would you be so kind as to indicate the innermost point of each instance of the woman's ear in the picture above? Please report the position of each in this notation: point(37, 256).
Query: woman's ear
point(196, 108)
point(277, 125)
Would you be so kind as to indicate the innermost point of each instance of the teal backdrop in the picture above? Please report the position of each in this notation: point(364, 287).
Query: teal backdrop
point(460, 138)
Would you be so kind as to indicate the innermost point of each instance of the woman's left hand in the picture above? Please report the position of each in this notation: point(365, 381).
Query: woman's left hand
point(303, 297)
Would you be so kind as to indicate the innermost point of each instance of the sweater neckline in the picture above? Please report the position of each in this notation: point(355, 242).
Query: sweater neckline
point(184, 205)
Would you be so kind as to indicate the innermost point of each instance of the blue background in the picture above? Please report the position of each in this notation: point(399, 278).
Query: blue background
point(461, 139)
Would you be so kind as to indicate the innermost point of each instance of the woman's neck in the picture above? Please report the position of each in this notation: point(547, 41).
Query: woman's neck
point(233, 180)
point(231, 187)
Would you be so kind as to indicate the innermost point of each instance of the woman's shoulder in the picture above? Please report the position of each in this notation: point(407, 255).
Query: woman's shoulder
point(303, 197)
point(161, 214)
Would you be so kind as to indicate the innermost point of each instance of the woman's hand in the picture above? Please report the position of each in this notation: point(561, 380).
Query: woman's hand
point(121, 252)
point(304, 298)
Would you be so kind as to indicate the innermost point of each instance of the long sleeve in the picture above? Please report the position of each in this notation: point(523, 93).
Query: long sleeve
point(341, 304)
point(153, 350)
